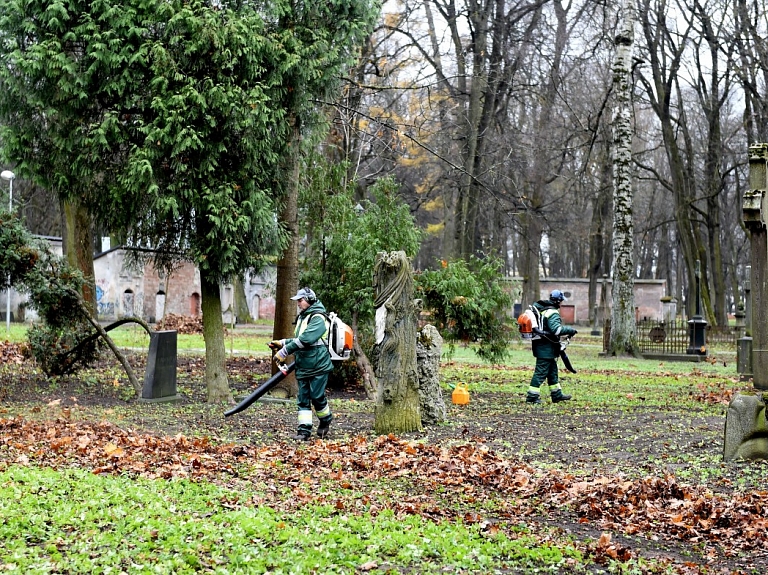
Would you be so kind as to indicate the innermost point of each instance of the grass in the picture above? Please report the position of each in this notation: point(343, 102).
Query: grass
point(69, 520)
point(251, 339)
point(52, 522)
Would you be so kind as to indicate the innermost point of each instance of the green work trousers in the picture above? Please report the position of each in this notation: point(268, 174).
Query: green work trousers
point(546, 369)
point(312, 394)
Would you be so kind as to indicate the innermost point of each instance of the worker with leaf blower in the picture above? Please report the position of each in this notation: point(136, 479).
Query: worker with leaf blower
point(313, 363)
point(547, 347)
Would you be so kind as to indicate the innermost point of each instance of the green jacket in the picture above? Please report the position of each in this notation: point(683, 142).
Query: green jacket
point(548, 346)
point(309, 344)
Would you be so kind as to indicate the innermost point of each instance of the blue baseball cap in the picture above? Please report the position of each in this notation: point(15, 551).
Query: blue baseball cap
point(556, 296)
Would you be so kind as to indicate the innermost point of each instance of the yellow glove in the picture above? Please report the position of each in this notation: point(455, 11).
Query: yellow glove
point(275, 344)
point(281, 355)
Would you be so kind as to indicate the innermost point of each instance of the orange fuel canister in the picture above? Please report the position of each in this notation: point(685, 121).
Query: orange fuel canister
point(460, 395)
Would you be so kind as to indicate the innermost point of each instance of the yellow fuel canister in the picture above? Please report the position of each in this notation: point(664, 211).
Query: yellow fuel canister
point(460, 395)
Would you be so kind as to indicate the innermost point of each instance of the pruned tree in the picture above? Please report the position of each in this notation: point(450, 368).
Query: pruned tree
point(343, 244)
point(397, 397)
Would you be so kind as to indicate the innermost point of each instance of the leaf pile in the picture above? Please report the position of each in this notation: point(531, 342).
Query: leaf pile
point(180, 323)
point(658, 508)
point(14, 353)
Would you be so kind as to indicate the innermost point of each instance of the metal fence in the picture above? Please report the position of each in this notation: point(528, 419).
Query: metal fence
point(663, 337)
point(673, 337)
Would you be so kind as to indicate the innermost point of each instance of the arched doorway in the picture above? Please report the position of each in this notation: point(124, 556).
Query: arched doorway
point(127, 307)
point(194, 304)
point(159, 305)
point(255, 305)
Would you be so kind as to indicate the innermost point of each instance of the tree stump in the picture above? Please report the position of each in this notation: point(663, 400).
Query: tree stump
point(394, 354)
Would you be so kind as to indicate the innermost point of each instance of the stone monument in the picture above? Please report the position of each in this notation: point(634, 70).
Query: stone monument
point(160, 376)
point(429, 348)
point(746, 433)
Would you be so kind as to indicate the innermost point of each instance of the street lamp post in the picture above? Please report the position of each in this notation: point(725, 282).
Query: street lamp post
point(9, 176)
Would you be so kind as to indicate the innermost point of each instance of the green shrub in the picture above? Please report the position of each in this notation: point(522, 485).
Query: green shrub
point(468, 303)
point(62, 342)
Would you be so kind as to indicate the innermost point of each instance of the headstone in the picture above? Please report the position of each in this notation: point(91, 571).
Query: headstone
point(697, 325)
point(429, 348)
point(744, 358)
point(746, 432)
point(160, 377)
point(755, 216)
point(668, 310)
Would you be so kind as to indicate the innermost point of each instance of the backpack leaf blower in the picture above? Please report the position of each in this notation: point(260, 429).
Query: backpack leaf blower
point(262, 389)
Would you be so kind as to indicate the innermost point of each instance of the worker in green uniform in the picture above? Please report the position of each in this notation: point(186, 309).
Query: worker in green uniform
point(313, 363)
point(546, 349)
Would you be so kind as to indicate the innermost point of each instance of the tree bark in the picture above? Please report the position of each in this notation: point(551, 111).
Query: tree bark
point(288, 264)
point(623, 339)
point(242, 313)
point(78, 247)
point(216, 381)
point(397, 398)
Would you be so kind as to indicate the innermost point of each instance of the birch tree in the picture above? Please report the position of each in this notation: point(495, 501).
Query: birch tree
point(623, 339)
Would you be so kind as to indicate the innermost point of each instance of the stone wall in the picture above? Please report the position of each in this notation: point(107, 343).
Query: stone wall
point(648, 294)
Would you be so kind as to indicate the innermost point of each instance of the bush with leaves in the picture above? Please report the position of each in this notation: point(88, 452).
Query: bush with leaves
point(469, 303)
point(64, 341)
point(344, 241)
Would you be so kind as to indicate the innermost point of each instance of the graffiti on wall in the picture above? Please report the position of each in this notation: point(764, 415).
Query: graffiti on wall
point(104, 307)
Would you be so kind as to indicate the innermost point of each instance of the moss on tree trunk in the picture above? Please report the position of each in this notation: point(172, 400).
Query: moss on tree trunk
point(216, 381)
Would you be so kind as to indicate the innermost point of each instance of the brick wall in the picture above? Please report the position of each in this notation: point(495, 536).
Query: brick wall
point(648, 294)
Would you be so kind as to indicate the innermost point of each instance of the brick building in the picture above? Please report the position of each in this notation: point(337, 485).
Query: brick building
point(149, 293)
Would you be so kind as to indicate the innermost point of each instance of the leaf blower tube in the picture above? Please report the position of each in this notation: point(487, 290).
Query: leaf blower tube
point(262, 389)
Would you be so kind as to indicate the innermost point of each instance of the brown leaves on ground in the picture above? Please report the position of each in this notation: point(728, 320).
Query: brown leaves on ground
point(658, 508)
point(180, 323)
point(15, 353)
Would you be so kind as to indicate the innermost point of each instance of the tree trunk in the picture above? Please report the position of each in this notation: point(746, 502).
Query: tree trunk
point(623, 339)
point(242, 313)
point(397, 398)
point(288, 264)
point(78, 248)
point(213, 333)
point(597, 234)
point(531, 252)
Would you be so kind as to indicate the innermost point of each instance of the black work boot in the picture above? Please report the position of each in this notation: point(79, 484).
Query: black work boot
point(532, 398)
point(558, 396)
point(301, 435)
point(324, 427)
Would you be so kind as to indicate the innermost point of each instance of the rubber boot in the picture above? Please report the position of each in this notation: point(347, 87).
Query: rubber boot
point(532, 398)
point(324, 427)
point(301, 435)
point(558, 396)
